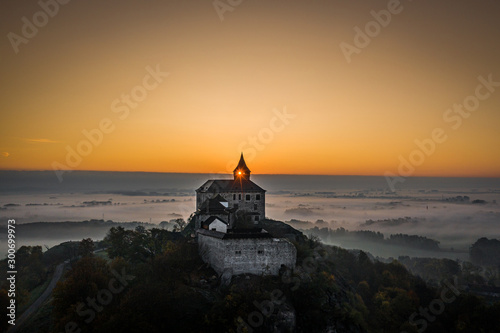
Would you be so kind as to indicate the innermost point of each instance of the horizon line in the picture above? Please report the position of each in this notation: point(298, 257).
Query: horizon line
point(259, 174)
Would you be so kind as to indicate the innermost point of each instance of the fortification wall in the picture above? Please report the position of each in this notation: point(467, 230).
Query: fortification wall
point(247, 255)
point(212, 251)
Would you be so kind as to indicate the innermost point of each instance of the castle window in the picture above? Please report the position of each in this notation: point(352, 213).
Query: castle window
point(255, 207)
point(260, 252)
point(234, 196)
point(239, 196)
point(257, 197)
point(237, 252)
point(256, 217)
point(247, 197)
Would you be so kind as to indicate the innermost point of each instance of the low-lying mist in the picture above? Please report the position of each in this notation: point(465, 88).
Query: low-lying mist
point(456, 214)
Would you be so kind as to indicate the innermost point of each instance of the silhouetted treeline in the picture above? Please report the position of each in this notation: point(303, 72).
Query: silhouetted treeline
point(434, 270)
point(485, 252)
point(169, 288)
point(413, 241)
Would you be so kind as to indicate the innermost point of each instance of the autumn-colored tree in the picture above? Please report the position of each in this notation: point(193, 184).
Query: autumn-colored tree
point(71, 296)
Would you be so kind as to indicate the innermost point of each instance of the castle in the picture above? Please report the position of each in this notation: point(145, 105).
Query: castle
point(228, 228)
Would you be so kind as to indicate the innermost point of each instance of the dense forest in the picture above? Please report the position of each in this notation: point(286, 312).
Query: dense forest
point(154, 281)
point(413, 241)
point(486, 252)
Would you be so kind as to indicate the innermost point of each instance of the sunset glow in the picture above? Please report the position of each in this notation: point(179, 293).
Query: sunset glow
point(170, 87)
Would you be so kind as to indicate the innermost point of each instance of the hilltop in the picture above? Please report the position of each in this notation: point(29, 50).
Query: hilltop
point(168, 287)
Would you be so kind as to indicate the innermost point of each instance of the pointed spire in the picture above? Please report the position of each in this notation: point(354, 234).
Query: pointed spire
point(241, 171)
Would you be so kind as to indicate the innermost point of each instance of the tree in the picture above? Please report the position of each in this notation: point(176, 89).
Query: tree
point(140, 229)
point(485, 252)
point(86, 247)
point(30, 265)
point(180, 225)
point(118, 240)
point(87, 277)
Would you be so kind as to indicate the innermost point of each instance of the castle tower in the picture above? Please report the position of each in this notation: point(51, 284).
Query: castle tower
point(225, 198)
point(241, 171)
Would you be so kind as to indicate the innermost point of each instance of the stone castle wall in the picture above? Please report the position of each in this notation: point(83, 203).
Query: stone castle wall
point(247, 255)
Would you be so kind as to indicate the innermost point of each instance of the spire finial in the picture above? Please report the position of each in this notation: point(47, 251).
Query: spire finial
point(241, 171)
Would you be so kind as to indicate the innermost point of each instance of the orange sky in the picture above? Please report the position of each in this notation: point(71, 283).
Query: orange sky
point(228, 80)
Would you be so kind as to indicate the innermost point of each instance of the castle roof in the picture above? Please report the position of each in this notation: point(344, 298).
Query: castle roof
point(219, 198)
point(228, 185)
point(215, 205)
point(242, 166)
point(211, 219)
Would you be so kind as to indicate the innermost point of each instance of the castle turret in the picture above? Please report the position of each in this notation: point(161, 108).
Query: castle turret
point(229, 198)
point(241, 171)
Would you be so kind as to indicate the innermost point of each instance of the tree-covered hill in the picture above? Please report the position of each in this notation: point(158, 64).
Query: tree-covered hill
point(154, 281)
